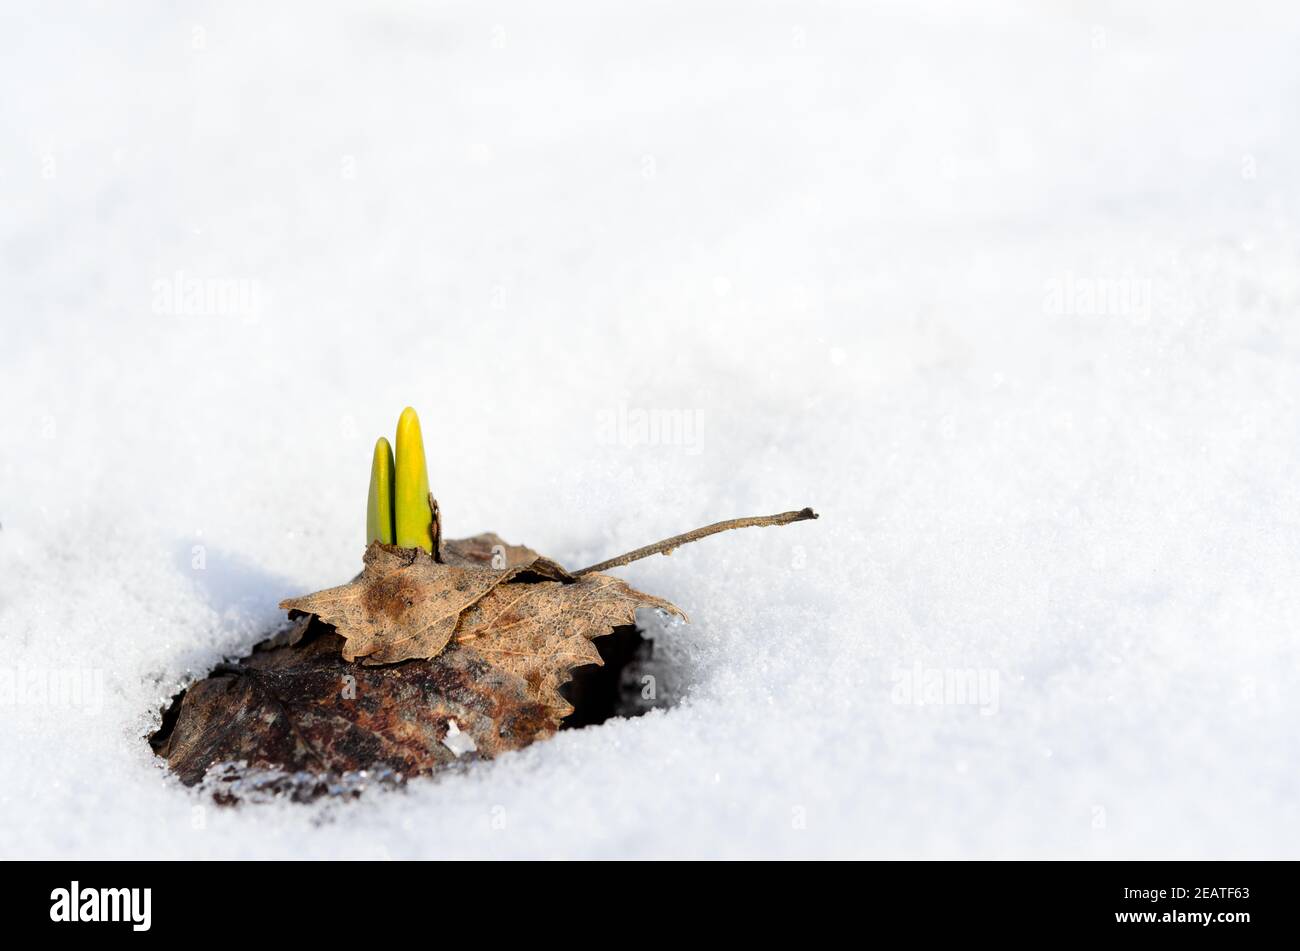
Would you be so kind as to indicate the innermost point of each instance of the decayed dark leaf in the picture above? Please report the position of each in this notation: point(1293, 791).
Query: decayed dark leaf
point(306, 709)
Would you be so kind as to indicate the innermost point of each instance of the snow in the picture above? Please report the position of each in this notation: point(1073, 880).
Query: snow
point(456, 741)
point(1008, 294)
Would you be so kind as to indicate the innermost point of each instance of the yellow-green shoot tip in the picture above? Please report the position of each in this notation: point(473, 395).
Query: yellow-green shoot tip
point(379, 506)
point(413, 520)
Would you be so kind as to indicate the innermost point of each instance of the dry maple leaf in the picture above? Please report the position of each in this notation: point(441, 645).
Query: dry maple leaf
point(405, 605)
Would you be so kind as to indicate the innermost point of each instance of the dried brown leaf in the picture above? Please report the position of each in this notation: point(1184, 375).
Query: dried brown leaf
point(403, 605)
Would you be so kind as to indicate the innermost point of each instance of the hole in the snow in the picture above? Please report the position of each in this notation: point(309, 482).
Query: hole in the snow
point(628, 685)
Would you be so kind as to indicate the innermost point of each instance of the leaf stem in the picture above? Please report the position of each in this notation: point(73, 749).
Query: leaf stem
point(668, 544)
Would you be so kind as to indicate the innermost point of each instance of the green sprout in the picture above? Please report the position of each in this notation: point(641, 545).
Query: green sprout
point(379, 507)
point(398, 510)
point(413, 520)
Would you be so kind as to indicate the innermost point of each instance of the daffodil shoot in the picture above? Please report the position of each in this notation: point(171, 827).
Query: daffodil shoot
point(379, 507)
point(413, 519)
point(398, 509)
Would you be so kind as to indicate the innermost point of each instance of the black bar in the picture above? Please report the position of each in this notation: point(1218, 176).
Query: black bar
point(329, 900)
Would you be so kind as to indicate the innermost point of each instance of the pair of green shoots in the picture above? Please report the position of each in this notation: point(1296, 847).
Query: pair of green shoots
point(397, 512)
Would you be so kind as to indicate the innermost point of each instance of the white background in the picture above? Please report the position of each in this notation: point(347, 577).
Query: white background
point(1008, 292)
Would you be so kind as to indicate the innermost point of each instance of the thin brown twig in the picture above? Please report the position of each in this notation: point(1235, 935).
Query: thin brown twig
point(668, 544)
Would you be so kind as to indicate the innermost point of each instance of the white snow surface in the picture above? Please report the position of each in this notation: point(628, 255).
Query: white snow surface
point(1007, 292)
